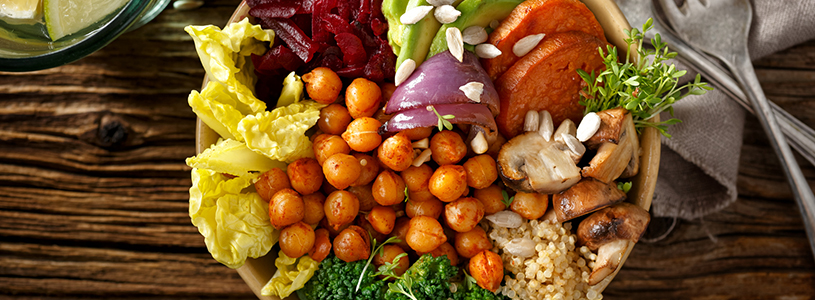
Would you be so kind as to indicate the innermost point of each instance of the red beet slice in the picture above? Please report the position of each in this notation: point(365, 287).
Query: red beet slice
point(353, 52)
point(274, 10)
point(299, 43)
point(336, 24)
point(320, 11)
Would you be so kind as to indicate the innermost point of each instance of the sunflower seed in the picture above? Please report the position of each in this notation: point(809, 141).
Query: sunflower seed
point(567, 127)
point(573, 144)
point(422, 158)
point(446, 14)
point(526, 44)
point(473, 90)
point(404, 71)
point(531, 121)
point(494, 24)
point(415, 14)
point(438, 3)
point(474, 35)
point(487, 51)
point(479, 143)
point(588, 126)
point(421, 144)
point(187, 4)
point(455, 43)
point(547, 126)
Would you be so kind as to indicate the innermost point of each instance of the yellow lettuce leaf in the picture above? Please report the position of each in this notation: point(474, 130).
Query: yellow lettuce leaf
point(233, 157)
point(235, 224)
point(225, 57)
point(280, 134)
point(289, 279)
point(217, 108)
point(292, 90)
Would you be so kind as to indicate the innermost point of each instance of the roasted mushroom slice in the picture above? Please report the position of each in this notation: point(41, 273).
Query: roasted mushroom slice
point(614, 154)
point(586, 196)
point(537, 162)
point(610, 231)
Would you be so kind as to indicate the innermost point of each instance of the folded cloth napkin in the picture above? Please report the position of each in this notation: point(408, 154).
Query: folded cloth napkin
point(699, 164)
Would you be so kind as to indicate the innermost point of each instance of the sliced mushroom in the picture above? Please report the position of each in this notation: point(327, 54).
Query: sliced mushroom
point(618, 146)
point(610, 231)
point(586, 196)
point(530, 163)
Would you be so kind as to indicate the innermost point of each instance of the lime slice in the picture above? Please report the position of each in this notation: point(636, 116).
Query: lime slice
point(65, 17)
point(19, 9)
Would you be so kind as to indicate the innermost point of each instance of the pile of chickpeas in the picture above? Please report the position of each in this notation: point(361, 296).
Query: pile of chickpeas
point(362, 185)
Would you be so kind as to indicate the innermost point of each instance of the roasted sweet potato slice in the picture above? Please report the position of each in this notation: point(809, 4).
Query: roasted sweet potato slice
point(538, 16)
point(546, 78)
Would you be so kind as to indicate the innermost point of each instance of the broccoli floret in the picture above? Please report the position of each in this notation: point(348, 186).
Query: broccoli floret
point(337, 280)
point(478, 293)
point(428, 278)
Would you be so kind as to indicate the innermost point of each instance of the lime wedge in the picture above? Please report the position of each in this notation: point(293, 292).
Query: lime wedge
point(65, 17)
point(19, 9)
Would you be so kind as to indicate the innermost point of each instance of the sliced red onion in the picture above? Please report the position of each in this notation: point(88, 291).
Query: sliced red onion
point(437, 81)
point(464, 113)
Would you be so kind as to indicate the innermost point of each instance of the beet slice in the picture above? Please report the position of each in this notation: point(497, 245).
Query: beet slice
point(336, 24)
point(299, 43)
point(274, 10)
point(320, 11)
point(353, 53)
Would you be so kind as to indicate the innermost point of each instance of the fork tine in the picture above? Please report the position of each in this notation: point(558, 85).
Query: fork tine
point(671, 11)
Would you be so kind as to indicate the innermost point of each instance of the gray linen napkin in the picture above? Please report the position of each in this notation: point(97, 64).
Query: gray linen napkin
point(699, 164)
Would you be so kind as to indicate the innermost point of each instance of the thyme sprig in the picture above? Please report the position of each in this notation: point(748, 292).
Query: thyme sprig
point(443, 123)
point(645, 87)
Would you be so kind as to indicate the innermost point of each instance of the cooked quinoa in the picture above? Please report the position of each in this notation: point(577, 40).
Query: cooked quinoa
point(557, 270)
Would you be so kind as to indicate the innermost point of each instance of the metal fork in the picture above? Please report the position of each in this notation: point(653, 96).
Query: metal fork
point(693, 22)
point(800, 136)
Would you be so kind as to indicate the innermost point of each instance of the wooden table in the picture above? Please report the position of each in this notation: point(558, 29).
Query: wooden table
point(94, 189)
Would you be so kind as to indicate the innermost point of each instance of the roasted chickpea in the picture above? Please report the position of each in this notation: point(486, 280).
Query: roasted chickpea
point(341, 170)
point(425, 234)
point(334, 119)
point(382, 219)
point(322, 245)
point(492, 198)
point(365, 197)
point(387, 89)
point(369, 171)
point(305, 175)
point(396, 152)
point(352, 244)
point(341, 207)
point(446, 249)
point(270, 182)
point(417, 178)
point(362, 134)
point(431, 208)
point(400, 231)
point(388, 188)
point(447, 147)
point(463, 214)
point(381, 116)
point(296, 239)
point(418, 133)
point(448, 182)
point(285, 208)
point(362, 98)
point(481, 171)
point(313, 204)
point(487, 269)
point(470, 243)
point(530, 205)
point(363, 222)
point(389, 254)
point(331, 231)
point(322, 85)
point(327, 145)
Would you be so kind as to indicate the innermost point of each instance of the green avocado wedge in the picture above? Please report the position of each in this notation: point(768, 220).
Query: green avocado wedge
point(473, 13)
point(392, 10)
point(416, 38)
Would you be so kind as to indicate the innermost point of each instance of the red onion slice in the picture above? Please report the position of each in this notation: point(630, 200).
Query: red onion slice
point(421, 117)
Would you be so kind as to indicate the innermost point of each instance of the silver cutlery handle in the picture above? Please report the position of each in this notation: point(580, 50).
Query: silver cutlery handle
point(800, 136)
point(743, 70)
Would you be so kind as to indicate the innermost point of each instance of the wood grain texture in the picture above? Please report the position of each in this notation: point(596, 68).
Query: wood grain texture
point(94, 189)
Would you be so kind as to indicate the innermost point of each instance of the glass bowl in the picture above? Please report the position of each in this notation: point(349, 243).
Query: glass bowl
point(25, 47)
point(256, 272)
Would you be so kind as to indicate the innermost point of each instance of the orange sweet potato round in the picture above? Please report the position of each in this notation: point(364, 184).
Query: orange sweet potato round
point(533, 17)
point(546, 78)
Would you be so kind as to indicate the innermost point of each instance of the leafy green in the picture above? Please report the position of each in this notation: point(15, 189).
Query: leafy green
point(336, 280)
point(507, 199)
point(624, 186)
point(645, 87)
point(291, 275)
point(374, 251)
point(443, 123)
point(470, 290)
point(428, 278)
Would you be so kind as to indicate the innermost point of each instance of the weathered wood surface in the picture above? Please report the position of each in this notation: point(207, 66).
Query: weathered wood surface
point(93, 186)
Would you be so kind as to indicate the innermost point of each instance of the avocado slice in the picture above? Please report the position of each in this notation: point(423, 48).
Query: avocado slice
point(392, 10)
point(473, 13)
point(416, 38)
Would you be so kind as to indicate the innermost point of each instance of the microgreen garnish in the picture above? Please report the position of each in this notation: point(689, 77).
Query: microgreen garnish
point(645, 87)
point(388, 268)
point(507, 199)
point(443, 123)
point(624, 186)
point(404, 286)
point(407, 196)
point(374, 251)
